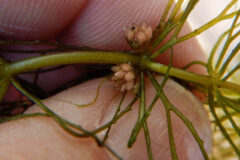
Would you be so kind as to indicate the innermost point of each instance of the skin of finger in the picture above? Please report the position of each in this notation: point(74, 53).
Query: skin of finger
point(101, 26)
point(48, 137)
point(87, 32)
point(39, 19)
point(98, 25)
point(186, 146)
point(41, 131)
point(40, 138)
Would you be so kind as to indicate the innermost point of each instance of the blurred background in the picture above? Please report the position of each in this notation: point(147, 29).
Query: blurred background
point(204, 12)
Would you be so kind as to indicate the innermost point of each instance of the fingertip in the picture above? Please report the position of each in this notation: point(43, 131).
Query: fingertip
point(101, 26)
point(101, 23)
point(186, 145)
point(40, 19)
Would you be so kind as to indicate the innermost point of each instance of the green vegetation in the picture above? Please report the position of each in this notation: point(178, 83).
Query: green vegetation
point(223, 95)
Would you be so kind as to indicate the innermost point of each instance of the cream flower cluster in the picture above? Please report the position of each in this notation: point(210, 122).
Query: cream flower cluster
point(138, 34)
point(123, 76)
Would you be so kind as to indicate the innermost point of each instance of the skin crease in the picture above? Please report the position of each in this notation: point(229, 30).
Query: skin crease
point(96, 24)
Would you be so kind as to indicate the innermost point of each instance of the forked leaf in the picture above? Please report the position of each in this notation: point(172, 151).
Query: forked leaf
point(221, 127)
point(65, 124)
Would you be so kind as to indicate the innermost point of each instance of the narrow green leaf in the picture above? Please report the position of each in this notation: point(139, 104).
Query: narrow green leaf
point(175, 10)
point(140, 122)
point(4, 85)
point(195, 63)
point(166, 10)
point(90, 103)
point(168, 109)
point(189, 8)
point(228, 115)
point(122, 113)
point(214, 49)
point(223, 130)
point(229, 59)
point(179, 114)
point(235, 69)
point(63, 122)
point(21, 116)
point(145, 126)
point(231, 104)
point(227, 43)
point(114, 117)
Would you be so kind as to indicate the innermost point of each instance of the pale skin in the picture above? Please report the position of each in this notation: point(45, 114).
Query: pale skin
point(96, 24)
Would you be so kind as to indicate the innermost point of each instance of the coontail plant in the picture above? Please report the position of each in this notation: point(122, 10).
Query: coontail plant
point(133, 68)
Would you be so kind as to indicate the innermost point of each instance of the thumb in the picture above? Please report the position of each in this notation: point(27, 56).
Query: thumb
point(36, 20)
point(19, 138)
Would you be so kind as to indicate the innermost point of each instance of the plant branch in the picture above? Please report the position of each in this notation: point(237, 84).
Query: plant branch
point(196, 32)
point(63, 122)
point(29, 64)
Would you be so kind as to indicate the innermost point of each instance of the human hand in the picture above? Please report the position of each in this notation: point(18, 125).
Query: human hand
point(99, 25)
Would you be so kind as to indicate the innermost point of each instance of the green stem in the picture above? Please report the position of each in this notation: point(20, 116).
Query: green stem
point(168, 115)
point(228, 7)
point(191, 77)
point(57, 118)
point(196, 32)
point(186, 13)
point(63, 122)
point(4, 85)
point(229, 117)
point(229, 59)
point(165, 13)
point(94, 57)
point(215, 47)
point(171, 107)
point(235, 69)
point(122, 113)
point(175, 10)
point(30, 64)
point(142, 111)
point(227, 43)
point(206, 26)
point(218, 122)
point(230, 104)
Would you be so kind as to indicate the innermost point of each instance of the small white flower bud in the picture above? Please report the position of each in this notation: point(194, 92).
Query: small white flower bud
point(120, 74)
point(148, 33)
point(129, 34)
point(126, 67)
point(138, 34)
point(141, 37)
point(123, 77)
point(129, 76)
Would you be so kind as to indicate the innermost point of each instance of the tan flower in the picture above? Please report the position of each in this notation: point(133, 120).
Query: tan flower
point(123, 76)
point(138, 34)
